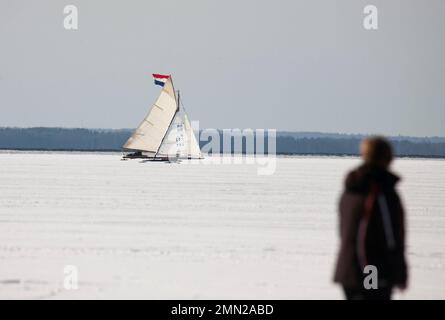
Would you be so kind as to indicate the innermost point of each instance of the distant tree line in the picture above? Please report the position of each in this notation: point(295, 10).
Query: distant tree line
point(62, 139)
point(350, 146)
point(286, 142)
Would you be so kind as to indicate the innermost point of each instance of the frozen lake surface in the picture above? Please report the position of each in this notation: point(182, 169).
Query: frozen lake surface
point(195, 231)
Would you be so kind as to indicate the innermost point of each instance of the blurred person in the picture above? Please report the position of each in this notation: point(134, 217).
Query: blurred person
point(372, 226)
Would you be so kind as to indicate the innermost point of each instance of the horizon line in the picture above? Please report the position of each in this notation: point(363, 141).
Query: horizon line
point(277, 130)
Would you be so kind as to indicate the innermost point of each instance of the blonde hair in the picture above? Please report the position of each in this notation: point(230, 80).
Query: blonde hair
point(376, 151)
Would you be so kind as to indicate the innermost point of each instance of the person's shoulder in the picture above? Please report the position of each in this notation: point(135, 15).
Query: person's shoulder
point(356, 180)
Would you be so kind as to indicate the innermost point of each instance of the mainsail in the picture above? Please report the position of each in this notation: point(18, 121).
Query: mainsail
point(166, 130)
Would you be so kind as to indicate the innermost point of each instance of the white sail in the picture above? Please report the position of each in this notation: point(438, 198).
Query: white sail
point(180, 140)
point(194, 151)
point(150, 133)
point(166, 130)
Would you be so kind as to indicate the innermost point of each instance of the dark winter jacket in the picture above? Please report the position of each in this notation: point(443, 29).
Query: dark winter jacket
point(372, 228)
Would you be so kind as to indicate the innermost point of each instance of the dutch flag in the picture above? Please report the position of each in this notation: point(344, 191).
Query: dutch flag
point(160, 79)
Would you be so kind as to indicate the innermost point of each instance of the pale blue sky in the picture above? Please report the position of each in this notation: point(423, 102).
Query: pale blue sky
point(290, 65)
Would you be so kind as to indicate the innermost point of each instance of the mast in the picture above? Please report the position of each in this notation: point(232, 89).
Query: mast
point(178, 101)
point(177, 110)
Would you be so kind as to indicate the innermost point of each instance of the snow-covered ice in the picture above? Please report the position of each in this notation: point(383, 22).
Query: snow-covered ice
point(198, 231)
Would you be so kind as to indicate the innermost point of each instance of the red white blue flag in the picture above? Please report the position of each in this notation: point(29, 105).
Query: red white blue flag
point(160, 79)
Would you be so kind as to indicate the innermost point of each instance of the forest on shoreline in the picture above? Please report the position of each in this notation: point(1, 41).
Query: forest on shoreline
point(289, 143)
